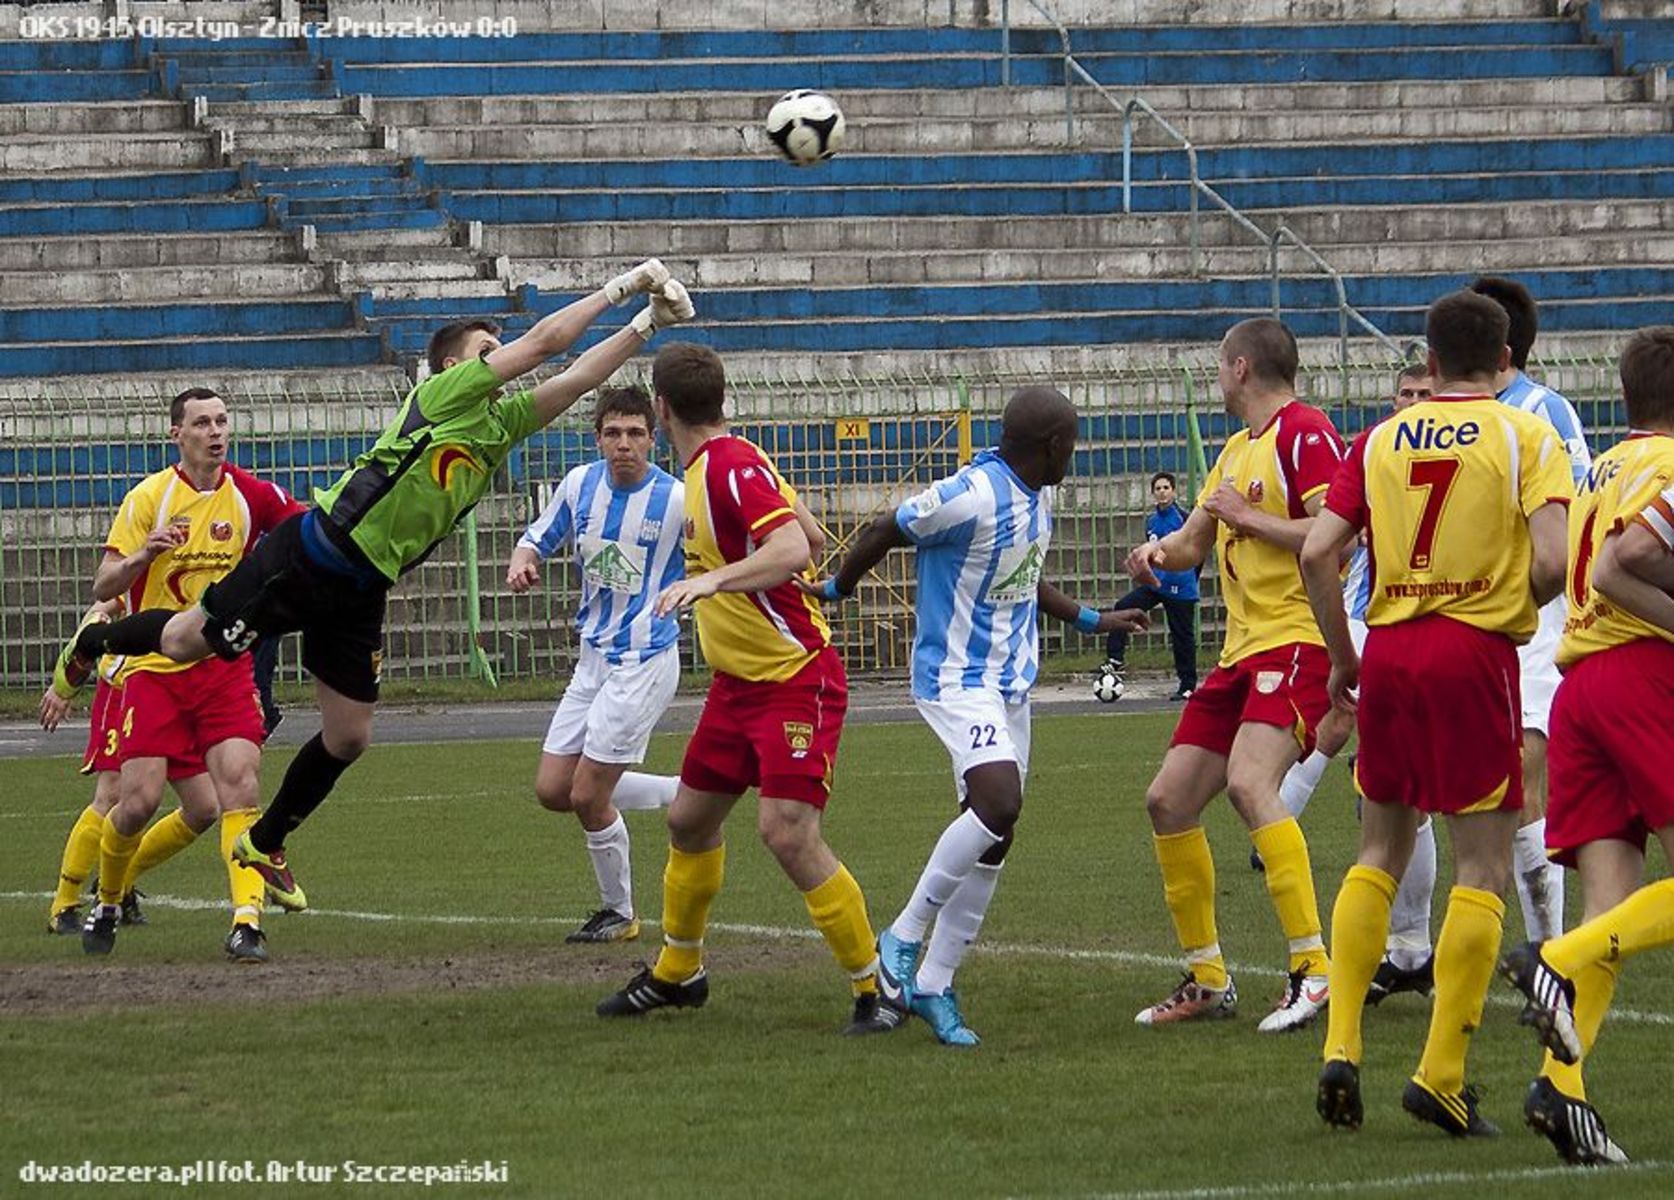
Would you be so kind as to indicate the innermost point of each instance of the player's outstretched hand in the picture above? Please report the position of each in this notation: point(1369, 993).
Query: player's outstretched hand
point(520, 577)
point(647, 277)
point(1343, 685)
point(670, 304)
point(1132, 620)
point(1141, 563)
point(684, 594)
point(53, 710)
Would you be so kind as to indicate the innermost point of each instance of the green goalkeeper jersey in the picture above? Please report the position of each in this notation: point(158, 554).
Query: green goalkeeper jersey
point(429, 467)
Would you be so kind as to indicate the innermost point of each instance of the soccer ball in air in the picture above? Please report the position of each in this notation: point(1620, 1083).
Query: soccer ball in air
point(1107, 687)
point(806, 126)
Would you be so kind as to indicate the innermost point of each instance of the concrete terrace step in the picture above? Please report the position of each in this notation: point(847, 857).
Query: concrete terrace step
point(847, 268)
point(303, 139)
point(140, 252)
point(260, 399)
point(239, 109)
point(1321, 226)
point(348, 206)
point(315, 349)
point(128, 151)
point(744, 107)
point(917, 135)
point(279, 117)
point(317, 156)
point(405, 243)
point(442, 291)
point(426, 272)
point(320, 89)
point(135, 116)
point(242, 280)
point(424, 218)
point(173, 216)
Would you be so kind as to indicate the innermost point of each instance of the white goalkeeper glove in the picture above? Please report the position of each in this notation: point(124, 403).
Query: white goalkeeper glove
point(647, 277)
point(670, 305)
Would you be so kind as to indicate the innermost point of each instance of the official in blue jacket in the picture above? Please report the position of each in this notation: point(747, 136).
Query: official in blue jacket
point(1177, 594)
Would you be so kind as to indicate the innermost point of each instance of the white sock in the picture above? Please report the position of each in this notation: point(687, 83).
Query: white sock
point(1540, 883)
point(639, 792)
point(956, 929)
point(1301, 781)
point(957, 850)
point(608, 848)
point(1409, 919)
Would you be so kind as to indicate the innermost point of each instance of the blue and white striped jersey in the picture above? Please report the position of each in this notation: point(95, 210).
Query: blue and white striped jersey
point(1357, 585)
point(628, 547)
point(981, 537)
point(1553, 408)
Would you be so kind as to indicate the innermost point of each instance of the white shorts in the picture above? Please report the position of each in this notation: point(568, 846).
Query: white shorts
point(1357, 635)
point(609, 712)
point(1538, 660)
point(979, 727)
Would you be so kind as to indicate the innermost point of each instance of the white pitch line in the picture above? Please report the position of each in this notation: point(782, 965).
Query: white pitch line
point(1125, 958)
point(1574, 1176)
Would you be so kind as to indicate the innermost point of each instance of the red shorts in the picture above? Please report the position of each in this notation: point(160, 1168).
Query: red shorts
point(181, 714)
point(778, 736)
point(1284, 686)
point(104, 738)
point(1610, 749)
point(1441, 718)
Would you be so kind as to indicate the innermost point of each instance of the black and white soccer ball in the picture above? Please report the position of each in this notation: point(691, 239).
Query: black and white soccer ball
point(806, 126)
point(1107, 687)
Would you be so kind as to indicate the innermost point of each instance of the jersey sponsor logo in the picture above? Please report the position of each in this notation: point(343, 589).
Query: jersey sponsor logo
point(447, 459)
point(1429, 433)
point(799, 736)
point(1021, 582)
point(649, 532)
point(1256, 491)
point(221, 531)
point(610, 566)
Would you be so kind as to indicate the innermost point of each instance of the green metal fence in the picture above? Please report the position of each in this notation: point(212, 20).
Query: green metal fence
point(854, 446)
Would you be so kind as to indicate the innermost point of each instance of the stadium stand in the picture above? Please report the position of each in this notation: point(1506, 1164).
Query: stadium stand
point(365, 188)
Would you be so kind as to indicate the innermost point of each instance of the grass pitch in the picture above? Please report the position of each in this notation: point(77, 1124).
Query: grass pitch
point(428, 1013)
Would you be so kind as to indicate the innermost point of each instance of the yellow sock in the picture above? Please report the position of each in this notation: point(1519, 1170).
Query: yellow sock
point(1644, 921)
point(1466, 952)
point(81, 854)
point(690, 882)
point(1290, 882)
point(1359, 928)
point(244, 886)
point(839, 911)
point(1188, 874)
point(161, 842)
point(116, 855)
point(1595, 986)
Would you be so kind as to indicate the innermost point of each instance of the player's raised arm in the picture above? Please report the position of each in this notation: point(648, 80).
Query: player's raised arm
point(669, 306)
point(556, 332)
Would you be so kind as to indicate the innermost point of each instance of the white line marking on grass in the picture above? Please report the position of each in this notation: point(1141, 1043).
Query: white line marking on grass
point(1401, 1183)
point(1125, 958)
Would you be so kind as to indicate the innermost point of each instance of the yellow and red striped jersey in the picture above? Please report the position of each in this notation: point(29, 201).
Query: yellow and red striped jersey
point(1278, 469)
point(1633, 481)
point(220, 526)
point(1444, 490)
point(734, 499)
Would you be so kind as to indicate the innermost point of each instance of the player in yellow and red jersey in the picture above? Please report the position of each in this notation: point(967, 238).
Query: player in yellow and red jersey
point(774, 713)
point(1610, 748)
point(1257, 711)
point(103, 761)
point(178, 531)
point(1464, 499)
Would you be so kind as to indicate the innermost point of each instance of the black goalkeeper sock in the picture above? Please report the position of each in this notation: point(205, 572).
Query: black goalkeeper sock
point(141, 633)
point(308, 781)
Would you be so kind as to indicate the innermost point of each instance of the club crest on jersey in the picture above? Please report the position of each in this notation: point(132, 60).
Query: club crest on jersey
point(184, 524)
point(1267, 682)
point(446, 460)
point(799, 736)
point(220, 531)
point(1255, 491)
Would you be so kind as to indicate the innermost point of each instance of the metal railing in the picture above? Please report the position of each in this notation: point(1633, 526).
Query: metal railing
point(1347, 314)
